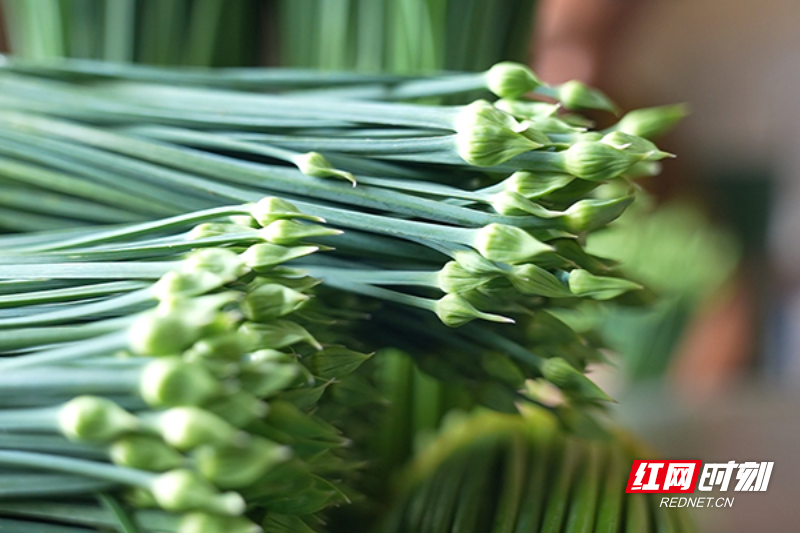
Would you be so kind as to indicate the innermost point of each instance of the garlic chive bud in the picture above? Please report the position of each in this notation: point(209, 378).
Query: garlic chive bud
point(576, 95)
point(598, 161)
point(635, 145)
point(220, 261)
point(533, 280)
point(264, 255)
point(475, 263)
point(567, 378)
point(508, 244)
point(511, 80)
point(145, 453)
point(287, 232)
point(89, 418)
point(554, 125)
point(183, 490)
point(316, 165)
point(230, 346)
point(176, 284)
point(216, 229)
point(643, 169)
point(526, 109)
point(534, 186)
point(269, 378)
point(186, 428)
point(589, 215)
point(585, 284)
point(233, 467)
point(169, 382)
point(272, 208)
point(239, 409)
point(454, 278)
point(454, 310)
point(652, 122)
point(271, 301)
point(514, 204)
point(210, 523)
point(487, 136)
point(279, 334)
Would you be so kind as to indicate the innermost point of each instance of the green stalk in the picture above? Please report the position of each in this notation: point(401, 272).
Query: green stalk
point(81, 467)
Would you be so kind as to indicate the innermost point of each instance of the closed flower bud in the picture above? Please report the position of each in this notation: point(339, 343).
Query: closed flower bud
point(514, 204)
point(217, 229)
point(288, 232)
point(183, 490)
point(271, 208)
point(508, 244)
point(554, 125)
point(279, 334)
point(88, 418)
point(511, 80)
point(316, 165)
point(454, 310)
point(169, 381)
point(220, 261)
point(533, 186)
point(176, 284)
point(487, 136)
point(652, 122)
point(575, 95)
point(635, 145)
point(585, 284)
point(269, 378)
point(265, 255)
point(235, 467)
point(271, 301)
point(589, 215)
point(475, 263)
point(239, 409)
point(533, 280)
point(230, 346)
point(145, 452)
point(186, 428)
point(570, 380)
point(210, 523)
point(598, 161)
point(453, 278)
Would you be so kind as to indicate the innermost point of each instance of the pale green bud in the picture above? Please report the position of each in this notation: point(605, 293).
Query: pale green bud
point(454, 310)
point(231, 346)
point(567, 378)
point(278, 334)
point(88, 418)
point(171, 329)
point(169, 381)
point(511, 80)
point(527, 109)
point(533, 186)
point(239, 409)
point(235, 467)
point(533, 280)
point(186, 428)
point(219, 261)
point(268, 378)
point(217, 229)
point(643, 169)
point(635, 145)
point(598, 161)
point(183, 490)
point(652, 122)
point(316, 165)
point(271, 208)
point(288, 232)
point(514, 204)
point(576, 95)
point(454, 278)
point(475, 263)
point(271, 301)
point(508, 244)
point(145, 453)
point(591, 214)
point(209, 523)
point(585, 284)
point(177, 284)
point(265, 255)
point(487, 136)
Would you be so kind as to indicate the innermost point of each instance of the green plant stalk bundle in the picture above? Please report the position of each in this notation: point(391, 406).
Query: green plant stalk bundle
point(188, 330)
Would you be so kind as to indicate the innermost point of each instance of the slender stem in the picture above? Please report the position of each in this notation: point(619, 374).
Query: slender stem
point(81, 467)
point(105, 345)
point(70, 293)
point(71, 381)
point(377, 277)
point(97, 270)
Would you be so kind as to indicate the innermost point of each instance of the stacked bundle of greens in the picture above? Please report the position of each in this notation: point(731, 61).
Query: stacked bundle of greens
point(182, 343)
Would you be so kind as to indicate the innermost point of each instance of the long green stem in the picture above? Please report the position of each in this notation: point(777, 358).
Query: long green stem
point(81, 467)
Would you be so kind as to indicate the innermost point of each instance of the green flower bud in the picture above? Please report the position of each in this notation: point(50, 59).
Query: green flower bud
point(511, 80)
point(533, 186)
point(652, 122)
point(272, 301)
point(454, 310)
point(271, 208)
point(176, 284)
point(487, 136)
point(239, 409)
point(643, 169)
point(514, 204)
point(230, 346)
point(508, 244)
point(144, 453)
point(335, 362)
point(598, 161)
point(169, 331)
point(567, 378)
point(533, 280)
point(635, 145)
point(189, 427)
point(234, 467)
point(527, 109)
point(315, 164)
point(589, 215)
point(220, 261)
point(183, 490)
point(169, 381)
point(453, 278)
point(264, 255)
point(217, 229)
point(288, 232)
point(268, 378)
point(88, 418)
point(279, 334)
point(475, 263)
point(585, 284)
point(209, 523)
point(575, 95)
